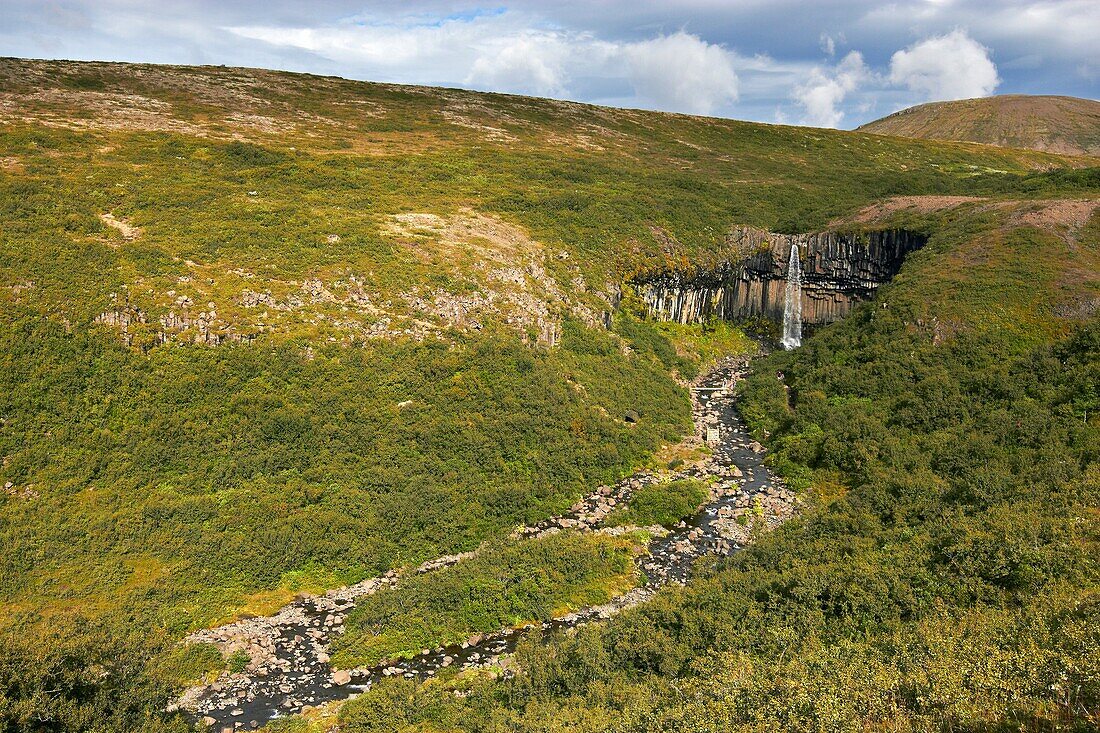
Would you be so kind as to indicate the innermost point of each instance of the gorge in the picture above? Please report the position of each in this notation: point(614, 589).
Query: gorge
point(836, 271)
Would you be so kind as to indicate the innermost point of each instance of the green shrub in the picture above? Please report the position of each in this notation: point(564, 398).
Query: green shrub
point(665, 504)
point(237, 662)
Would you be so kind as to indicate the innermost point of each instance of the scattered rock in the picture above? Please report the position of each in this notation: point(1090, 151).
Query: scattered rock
point(289, 651)
point(129, 232)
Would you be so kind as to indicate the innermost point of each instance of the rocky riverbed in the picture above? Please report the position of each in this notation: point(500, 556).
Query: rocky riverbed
point(288, 668)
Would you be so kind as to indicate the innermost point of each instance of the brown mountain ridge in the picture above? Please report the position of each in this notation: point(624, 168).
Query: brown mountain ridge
point(1066, 125)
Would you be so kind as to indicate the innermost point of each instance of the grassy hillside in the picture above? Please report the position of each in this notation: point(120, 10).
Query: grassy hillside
point(1065, 125)
point(945, 575)
point(265, 332)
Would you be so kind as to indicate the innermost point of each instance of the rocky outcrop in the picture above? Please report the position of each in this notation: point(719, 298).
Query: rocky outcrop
point(200, 328)
point(838, 271)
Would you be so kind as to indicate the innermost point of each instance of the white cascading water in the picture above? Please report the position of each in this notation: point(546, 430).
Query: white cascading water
point(792, 305)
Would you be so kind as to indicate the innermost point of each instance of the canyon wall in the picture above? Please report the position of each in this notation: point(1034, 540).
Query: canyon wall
point(838, 271)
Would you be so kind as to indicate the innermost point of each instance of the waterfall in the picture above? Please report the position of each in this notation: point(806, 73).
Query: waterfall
point(792, 305)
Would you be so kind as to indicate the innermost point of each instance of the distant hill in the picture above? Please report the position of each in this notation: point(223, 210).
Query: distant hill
point(1066, 125)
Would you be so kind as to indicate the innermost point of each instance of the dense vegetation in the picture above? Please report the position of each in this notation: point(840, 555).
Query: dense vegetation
point(174, 489)
point(175, 481)
point(167, 485)
point(946, 576)
point(665, 504)
point(516, 583)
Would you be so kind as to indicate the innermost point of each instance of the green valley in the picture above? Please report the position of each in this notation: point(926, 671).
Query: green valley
point(266, 335)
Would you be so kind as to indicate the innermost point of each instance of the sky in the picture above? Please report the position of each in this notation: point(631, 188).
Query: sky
point(827, 63)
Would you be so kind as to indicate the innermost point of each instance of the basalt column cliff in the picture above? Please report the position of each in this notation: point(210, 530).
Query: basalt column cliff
point(838, 271)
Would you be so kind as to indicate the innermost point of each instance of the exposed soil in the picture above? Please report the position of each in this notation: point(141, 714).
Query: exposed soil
point(128, 230)
point(11, 164)
point(915, 204)
point(1063, 216)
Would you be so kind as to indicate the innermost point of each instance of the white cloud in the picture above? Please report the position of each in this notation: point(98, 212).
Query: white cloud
point(829, 43)
point(952, 66)
point(507, 52)
point(821, 95)
point(682, 72)
point(530, 63)
point(759, 53)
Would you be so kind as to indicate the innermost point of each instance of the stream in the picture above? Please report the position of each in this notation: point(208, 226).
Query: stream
point(289, 666)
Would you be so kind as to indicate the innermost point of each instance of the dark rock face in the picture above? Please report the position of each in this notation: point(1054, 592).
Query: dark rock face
point(838, 271)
